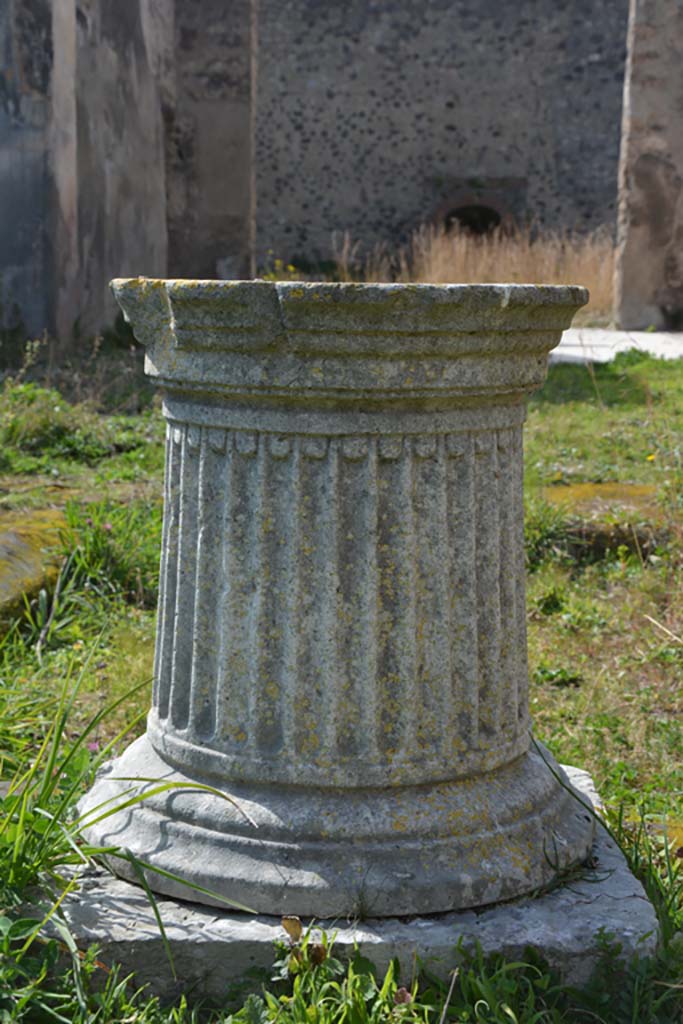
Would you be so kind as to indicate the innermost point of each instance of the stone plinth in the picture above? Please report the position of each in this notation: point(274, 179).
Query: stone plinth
point(213, 948)
point(341, 639)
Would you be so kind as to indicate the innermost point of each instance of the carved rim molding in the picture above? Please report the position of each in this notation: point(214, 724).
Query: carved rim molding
point(347, 342)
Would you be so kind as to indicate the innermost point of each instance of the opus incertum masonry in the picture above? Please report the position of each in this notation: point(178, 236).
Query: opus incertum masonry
point(341, 640)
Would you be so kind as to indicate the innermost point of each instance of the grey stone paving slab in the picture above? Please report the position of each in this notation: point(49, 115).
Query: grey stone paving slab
point(213, 948)
point(597, 345)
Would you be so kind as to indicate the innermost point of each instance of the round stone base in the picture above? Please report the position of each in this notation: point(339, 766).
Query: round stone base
point(213, 949)
point(372, 852)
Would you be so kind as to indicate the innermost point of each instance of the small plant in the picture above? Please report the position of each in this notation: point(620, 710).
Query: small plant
point(26, 707)
point(545, 531)
point(657, 862)
point(561, 677)
point(114, 549)
point(492, 990)
point(277, 269)
point(38, 426)
point(312, 984)
point(42, 853)
point(551, 602)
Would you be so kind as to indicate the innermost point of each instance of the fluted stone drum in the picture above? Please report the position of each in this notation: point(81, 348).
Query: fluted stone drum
point(341, 643)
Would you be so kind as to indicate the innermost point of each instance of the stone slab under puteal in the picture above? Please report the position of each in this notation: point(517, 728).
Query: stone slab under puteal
point(213, 949)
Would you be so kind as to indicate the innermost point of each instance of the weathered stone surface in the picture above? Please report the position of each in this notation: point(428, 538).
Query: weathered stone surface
point(649, 280)
point(27, 558)
point(209, 115)
point(120, 142)
point(212, 949)
point(341, 639)
point(403, 849)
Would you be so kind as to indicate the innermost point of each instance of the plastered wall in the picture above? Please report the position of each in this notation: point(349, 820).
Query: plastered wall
point(26, 58)
point(649, 279)
point(82, 171)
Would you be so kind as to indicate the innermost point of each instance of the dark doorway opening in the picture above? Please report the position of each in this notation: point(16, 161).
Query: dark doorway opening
point(672, 317)
point(475, 218)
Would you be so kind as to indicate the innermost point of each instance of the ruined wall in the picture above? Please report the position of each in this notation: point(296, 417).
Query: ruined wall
point(374, 116)
point(25, 72)
point(120, 177)
point(649, 280)
point(82, 184)
point(208, 114)
point(194, 137)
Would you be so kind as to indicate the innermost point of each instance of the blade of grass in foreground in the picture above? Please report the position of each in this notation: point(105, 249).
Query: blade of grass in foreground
point(41, 838)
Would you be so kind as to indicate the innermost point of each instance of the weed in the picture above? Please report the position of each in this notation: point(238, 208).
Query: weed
point(38, 426)
point(560, 677)
point(520, 255)
point(551, 602)
point(114, 549)
point(42, 852)
point(26, 707)
point(492, 990)
point(48, 616)
point(545, 530)
point(110, 553)
point(311, 983)
point(279, 270)
point(657, 862)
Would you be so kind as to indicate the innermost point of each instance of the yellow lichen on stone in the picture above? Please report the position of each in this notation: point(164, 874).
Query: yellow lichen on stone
point(28, 556)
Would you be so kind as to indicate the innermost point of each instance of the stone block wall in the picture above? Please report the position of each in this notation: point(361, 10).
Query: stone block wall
point(373, 117)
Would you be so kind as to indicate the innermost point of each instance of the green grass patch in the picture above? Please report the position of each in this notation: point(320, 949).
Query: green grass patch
point(40, 431)
point(619, 421)
point(605, 625)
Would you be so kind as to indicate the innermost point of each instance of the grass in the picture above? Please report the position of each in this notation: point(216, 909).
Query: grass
point(106, 371)
point(40, 431)
point(522, 255)
point(606, 664)
point(52, 450)
point(439, 256)
point(620, 421)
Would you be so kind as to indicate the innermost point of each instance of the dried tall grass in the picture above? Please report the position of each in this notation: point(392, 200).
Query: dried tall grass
point(523, 255)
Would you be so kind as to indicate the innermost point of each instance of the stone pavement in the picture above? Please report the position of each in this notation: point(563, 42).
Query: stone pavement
point(597, 345)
